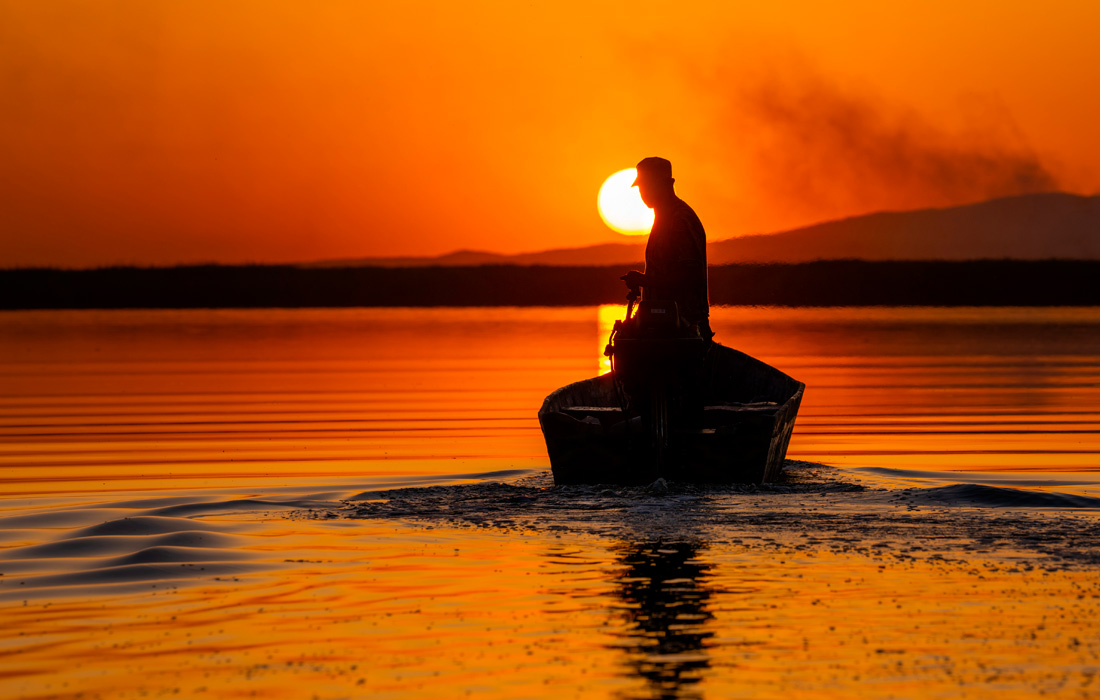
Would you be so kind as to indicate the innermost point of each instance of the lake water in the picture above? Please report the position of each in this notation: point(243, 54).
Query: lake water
point(174, 517)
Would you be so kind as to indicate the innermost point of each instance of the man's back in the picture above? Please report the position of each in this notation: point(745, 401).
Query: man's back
point(676, 260)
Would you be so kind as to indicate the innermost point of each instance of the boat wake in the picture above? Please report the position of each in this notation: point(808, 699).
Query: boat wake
point(181, 539)
point(816, 507)
point(127, 545)
point(1000, 497)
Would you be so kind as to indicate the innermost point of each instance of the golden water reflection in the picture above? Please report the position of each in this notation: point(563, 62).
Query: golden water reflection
point(124, 416)
point(386, 610)
point(153, 399)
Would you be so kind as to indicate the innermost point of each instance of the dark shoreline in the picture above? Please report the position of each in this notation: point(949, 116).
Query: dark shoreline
point(820, 283)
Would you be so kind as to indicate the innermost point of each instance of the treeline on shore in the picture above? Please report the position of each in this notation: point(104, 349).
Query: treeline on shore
point(821, 283)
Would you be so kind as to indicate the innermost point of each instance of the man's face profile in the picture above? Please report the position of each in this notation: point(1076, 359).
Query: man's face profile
point(648, 191)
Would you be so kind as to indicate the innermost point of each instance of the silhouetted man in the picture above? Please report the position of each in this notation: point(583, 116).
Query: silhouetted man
point(676, 255)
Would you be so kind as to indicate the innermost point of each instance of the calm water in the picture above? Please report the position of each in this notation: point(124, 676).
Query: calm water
point(148, 399)
point(152, 462)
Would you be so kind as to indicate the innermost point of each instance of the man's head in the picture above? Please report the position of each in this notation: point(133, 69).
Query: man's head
point(654, 181)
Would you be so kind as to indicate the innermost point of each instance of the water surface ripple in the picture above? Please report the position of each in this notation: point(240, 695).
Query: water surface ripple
point(355, 502)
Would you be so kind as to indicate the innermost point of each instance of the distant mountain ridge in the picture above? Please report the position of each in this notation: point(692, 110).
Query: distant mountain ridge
point(1053, 225)
point(1025, 227)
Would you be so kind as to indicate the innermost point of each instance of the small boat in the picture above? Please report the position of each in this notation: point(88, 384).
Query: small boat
point(740, 435)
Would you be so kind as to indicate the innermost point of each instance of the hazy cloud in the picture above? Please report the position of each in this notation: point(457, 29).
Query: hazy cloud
point(824, 151)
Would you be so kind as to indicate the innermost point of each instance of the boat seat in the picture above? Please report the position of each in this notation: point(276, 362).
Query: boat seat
point(761, 406)
point(592, 409)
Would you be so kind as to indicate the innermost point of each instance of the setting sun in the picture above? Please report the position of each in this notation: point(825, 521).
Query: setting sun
point(621, 206)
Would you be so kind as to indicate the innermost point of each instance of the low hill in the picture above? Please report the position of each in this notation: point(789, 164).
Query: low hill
point(1027, 227)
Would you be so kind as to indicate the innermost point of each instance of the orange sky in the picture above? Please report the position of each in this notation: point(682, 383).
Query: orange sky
point(158, 131)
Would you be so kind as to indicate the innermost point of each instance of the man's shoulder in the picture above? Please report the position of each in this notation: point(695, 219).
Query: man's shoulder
point(683, 213)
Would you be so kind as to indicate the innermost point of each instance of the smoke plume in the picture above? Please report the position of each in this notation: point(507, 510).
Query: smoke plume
point(821, 151)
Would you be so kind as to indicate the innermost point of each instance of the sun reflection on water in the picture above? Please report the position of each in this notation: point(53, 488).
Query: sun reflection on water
point(607, 314)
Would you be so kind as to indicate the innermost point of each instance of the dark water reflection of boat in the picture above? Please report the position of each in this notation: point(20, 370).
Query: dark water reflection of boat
point(663, 591)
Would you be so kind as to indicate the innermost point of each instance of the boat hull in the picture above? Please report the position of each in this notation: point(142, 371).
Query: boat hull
point(741, 436)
